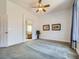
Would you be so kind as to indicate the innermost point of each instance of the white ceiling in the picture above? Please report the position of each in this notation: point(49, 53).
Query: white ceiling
point(54, 4)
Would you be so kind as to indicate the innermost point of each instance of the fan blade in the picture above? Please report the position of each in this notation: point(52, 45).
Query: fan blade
point(34, 7)
point(44, 10)
point(47, 5)
point(37, 10)
point(39, 1)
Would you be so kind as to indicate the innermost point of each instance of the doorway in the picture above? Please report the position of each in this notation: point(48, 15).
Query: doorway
point(28, 29)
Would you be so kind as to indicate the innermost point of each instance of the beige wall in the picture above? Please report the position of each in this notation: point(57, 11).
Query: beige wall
point(16, 23)
point(64, 18)
point(12, 21)
point(2, 7)
point(16, 15)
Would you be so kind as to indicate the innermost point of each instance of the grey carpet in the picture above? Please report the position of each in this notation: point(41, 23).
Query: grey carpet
point(38, 49)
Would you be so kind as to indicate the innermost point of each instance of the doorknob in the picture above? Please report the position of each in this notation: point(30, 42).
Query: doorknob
point(6, 32)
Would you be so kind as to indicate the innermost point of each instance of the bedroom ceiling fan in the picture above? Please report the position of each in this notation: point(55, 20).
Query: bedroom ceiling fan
point(41, 7)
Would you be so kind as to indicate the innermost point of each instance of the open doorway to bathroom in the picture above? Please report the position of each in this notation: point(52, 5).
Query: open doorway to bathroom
point(28, 29)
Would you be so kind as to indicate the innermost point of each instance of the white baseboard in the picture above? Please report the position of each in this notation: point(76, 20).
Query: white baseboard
point(56, 40)
point(3, 46)
point(15, 43)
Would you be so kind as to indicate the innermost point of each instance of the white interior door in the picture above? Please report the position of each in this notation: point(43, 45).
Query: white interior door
point(3, 31)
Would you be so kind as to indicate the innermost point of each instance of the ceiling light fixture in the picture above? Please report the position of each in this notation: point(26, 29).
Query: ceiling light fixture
point(41, 7)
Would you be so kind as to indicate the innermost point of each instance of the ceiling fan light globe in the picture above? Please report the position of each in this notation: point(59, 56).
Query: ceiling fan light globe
point(40, 9)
